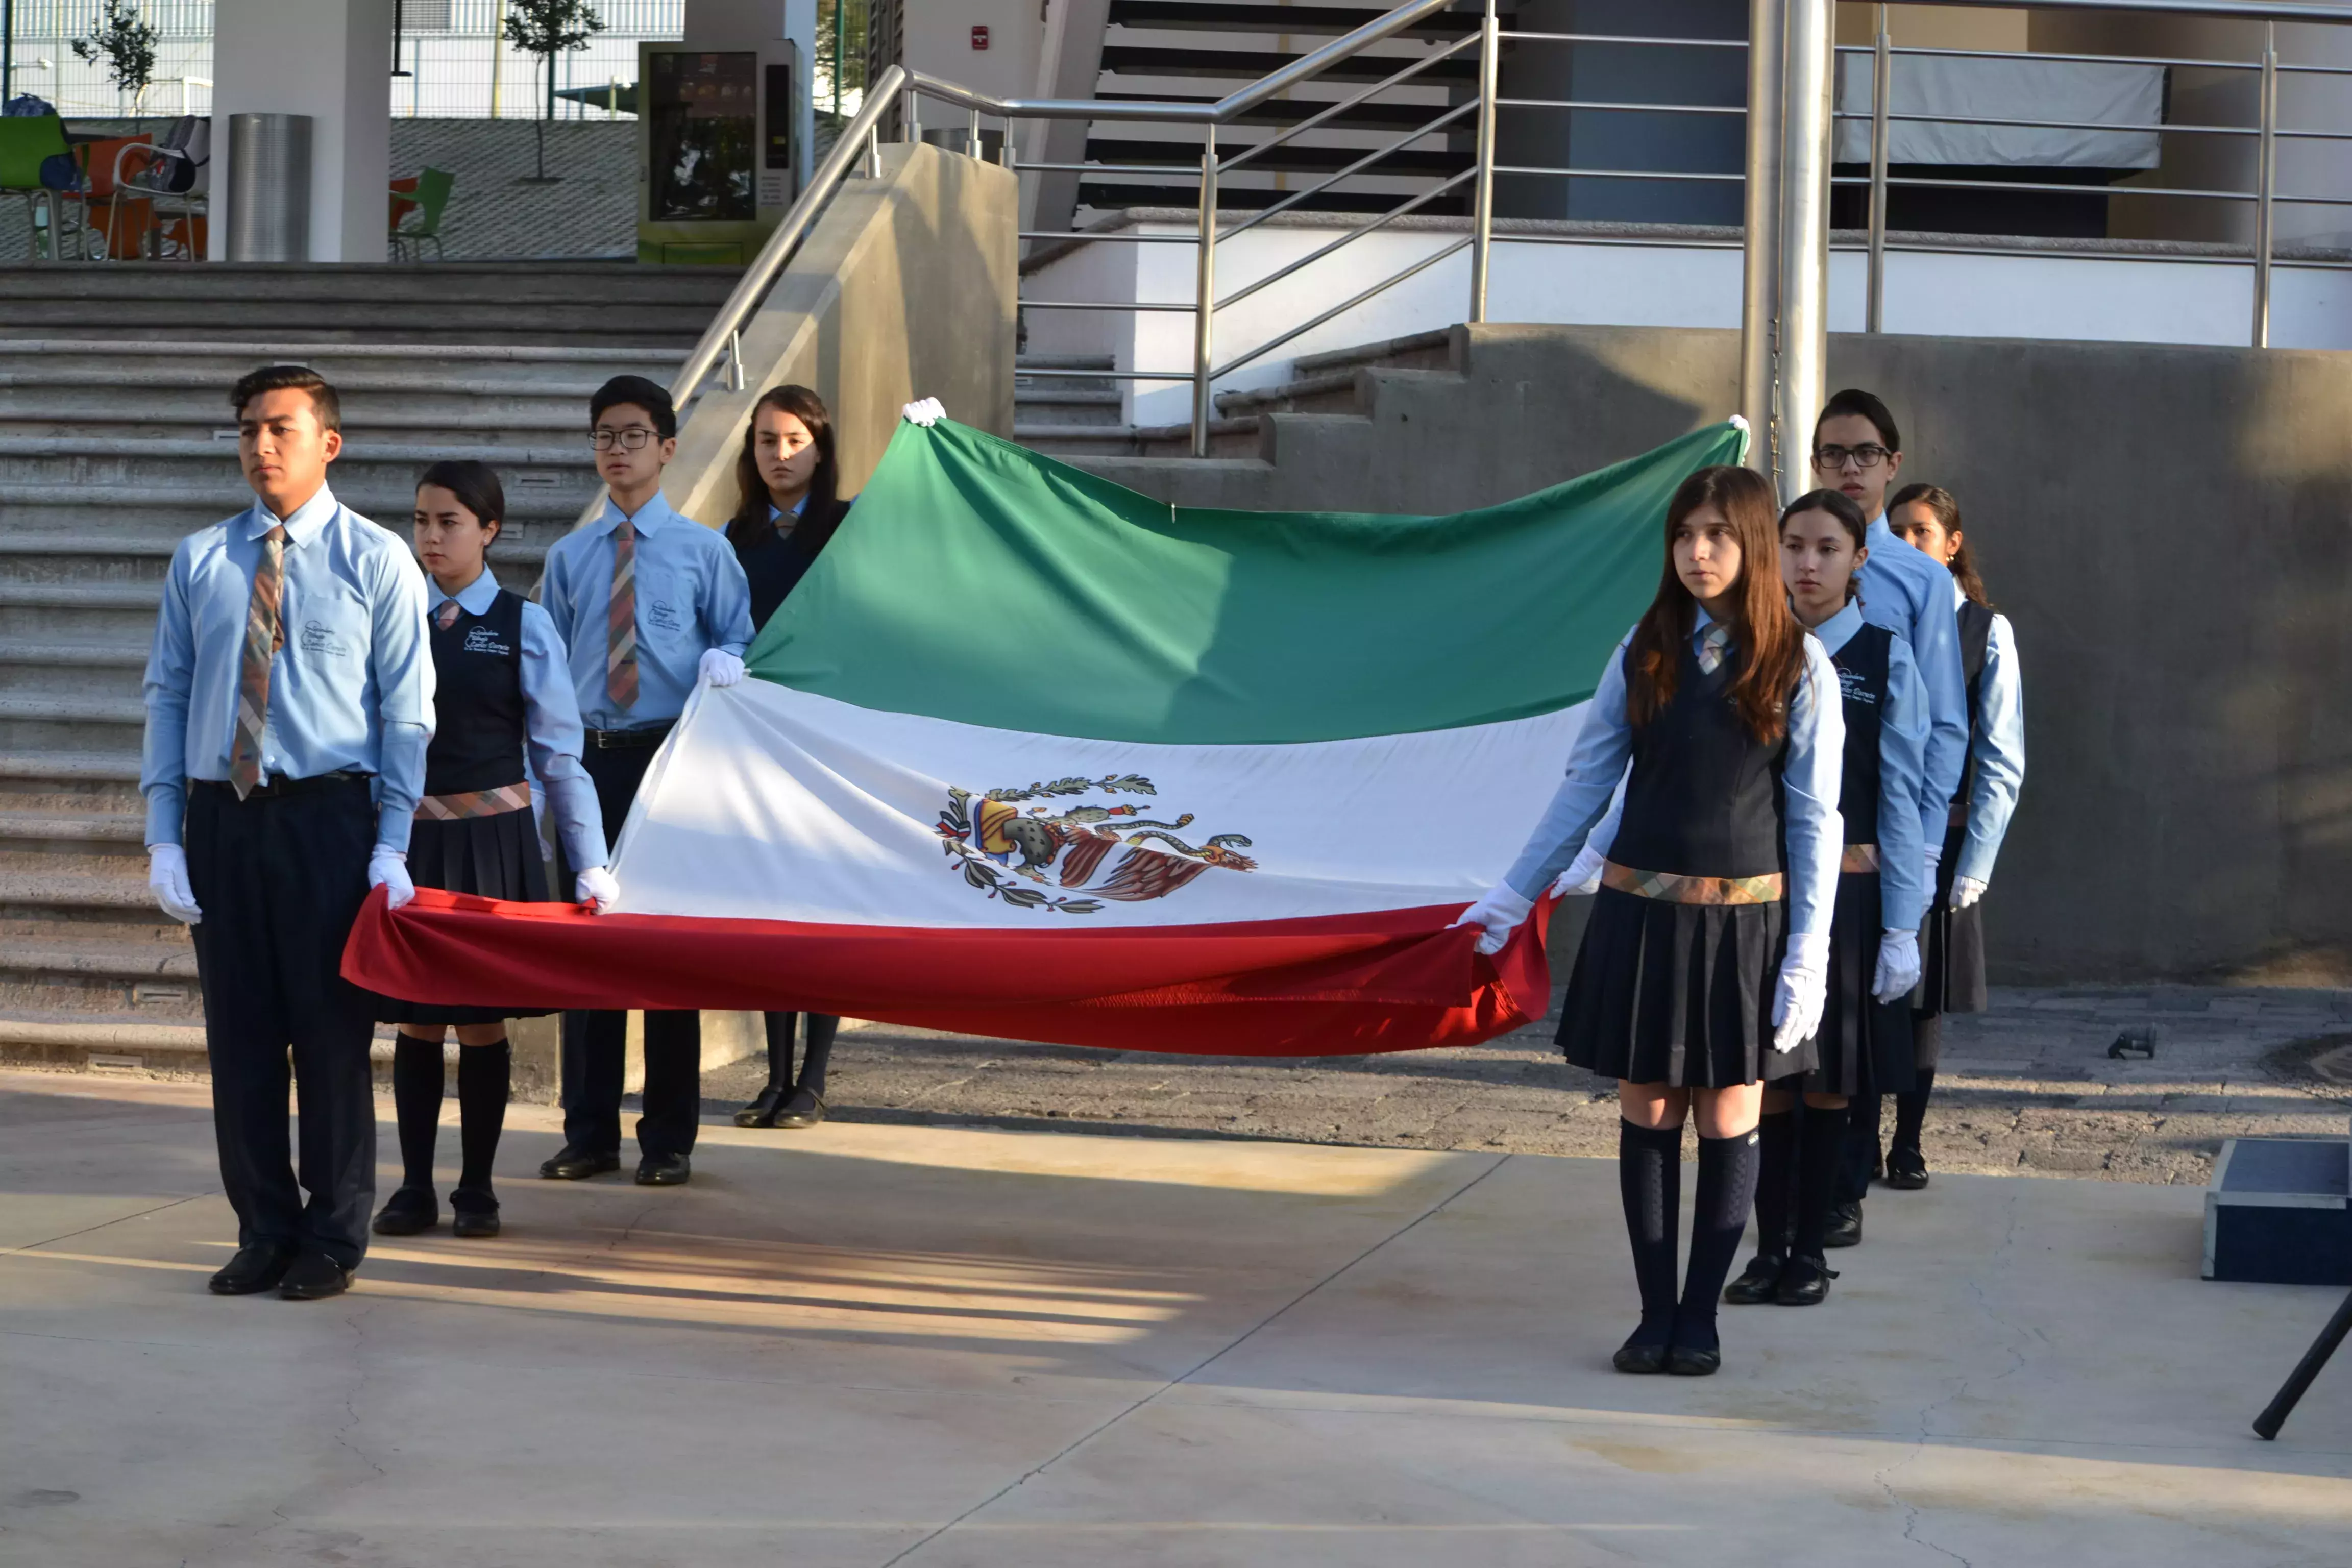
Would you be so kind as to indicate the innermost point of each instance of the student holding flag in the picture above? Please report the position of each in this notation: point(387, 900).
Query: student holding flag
point(502, 693)
point(649, 603)
point(1706, 961)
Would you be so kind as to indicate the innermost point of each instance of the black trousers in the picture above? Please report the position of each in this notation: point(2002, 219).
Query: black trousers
point(596, 1043)
point(280, 878)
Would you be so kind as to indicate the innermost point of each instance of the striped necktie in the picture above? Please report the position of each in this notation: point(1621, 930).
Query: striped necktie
point(447, 616)
point(620, 620)
point(264, 636)
point(1712, 644)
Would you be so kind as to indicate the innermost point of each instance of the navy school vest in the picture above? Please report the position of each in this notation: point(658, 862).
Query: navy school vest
point(1704, 796)
point(480, 720)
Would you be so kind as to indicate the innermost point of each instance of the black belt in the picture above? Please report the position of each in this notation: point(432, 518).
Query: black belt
point(279, 784)
point(634, 740)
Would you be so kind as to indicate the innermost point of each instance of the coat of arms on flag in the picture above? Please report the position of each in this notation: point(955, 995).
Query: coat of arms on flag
point(1068, 846)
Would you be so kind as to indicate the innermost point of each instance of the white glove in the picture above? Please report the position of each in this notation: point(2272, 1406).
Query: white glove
point(1498, 915)
point(1804, 988)
point(595, 886)
point(1966, 891)
point(388, 869)
point(1582, 877)
point(167, 878)
point(924, 411)
point(1898, 965)
point(719, 667)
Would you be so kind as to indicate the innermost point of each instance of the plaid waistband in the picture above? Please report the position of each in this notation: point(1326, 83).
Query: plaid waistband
point(474, 803)
point(1859, 860)
point(1669, 887)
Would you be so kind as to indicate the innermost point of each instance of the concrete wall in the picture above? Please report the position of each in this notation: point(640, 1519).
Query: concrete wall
point(2165, 527)
point(329, 59)
point(905, 290)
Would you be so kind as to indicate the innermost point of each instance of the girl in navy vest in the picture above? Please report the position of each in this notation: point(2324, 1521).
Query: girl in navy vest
point(502, 693)
point(1705, 961)
point(1864, 1044)
point(787, 482)
point(1930, 518)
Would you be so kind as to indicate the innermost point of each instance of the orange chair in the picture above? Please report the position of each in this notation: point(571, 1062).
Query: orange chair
point(118, 219)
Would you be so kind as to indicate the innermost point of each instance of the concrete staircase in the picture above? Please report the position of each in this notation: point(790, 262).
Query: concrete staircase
point(116, 440)
point(1076, 418)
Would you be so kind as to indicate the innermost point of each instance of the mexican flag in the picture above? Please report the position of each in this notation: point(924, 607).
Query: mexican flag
point(1031, 755)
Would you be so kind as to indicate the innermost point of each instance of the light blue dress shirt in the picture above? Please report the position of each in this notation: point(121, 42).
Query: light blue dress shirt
point(551, 736)
point(1902, 758)
point(1909, 592)
point(1812, 771)
point(352, 690)
point(1998, 749)
point(691, 597)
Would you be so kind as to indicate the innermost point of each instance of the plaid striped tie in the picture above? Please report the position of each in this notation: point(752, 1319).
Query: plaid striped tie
point(447, 616)
point(621, 621)
point(1711, 645)
point(264, 636)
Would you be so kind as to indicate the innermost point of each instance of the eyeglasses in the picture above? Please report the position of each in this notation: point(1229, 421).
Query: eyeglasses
point(632, 439)
point(1866, 455)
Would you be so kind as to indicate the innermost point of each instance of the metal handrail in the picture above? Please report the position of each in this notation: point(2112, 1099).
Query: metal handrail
point(1357, 167)
point(1410, 70)
point(1238, 295)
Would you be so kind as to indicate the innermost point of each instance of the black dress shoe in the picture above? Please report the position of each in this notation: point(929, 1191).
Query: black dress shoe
point(407, 1212)
point(1906, 1169)
point(1634, 1356)
point(1846, 1226)
point(314, 1277)
point(473, 1214)
point(664, 1171)
point(254, 1269)
point(1684, 1362)
point(578, 1166)
point(1758, 1282)
point(1805, 1282)
point(761, 1111)
point(804, 1109)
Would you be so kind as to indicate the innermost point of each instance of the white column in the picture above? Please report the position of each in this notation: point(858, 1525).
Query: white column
point(330, 59)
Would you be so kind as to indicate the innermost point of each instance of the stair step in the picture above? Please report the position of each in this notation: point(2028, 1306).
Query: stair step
point(51, 888)
point(102, 960)
point(73, 654)
point(80, 596)
point(116, 1035)
point(76, 767)
point(88, 828)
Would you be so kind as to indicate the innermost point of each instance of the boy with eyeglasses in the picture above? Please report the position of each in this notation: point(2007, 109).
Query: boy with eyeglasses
point(1858, 450)
point(648, 602)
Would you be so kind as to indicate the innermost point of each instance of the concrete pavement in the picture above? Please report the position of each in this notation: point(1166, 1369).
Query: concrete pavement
point(948, 1348)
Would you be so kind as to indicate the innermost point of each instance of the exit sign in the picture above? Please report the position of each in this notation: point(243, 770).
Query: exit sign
point(979, 38)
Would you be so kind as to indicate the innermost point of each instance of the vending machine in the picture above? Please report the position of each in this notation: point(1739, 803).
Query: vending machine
point(718, 116)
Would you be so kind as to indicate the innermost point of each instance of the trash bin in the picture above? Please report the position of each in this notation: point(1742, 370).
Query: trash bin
point(269, 187)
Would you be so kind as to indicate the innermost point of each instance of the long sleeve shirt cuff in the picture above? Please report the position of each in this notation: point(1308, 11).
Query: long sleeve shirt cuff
point(167, 809)
point(401, 784)
point(579, 823)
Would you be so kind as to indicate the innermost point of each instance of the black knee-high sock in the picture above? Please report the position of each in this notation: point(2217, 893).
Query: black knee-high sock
point(416, 1104)
point(1911, 1110)
point(485, 1076)
point(1726, 1190)
point(1650, 1179)
point(1861, 1152)
point(782, 1026)
point(1820, 1148)
point(821, 1027)
point(1776, 1181)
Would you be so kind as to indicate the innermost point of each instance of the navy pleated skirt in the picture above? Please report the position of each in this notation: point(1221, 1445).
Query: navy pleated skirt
point(496, 856)
point(1678, 994)
point(1864, 1044)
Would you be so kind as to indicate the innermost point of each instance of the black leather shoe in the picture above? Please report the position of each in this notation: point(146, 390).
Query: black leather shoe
point(1683, 1361)
point(1906, 1169)
point(314, 1277)
point(1758, 1282)
point(664, 1171)
point(407, 1212)
point(578, 1166)
point(1635, 1357)
point(254, 1269)
point(804, 1109)
point(473, 1215)
point(761, 1111)
point(1846, 1226)
point(1805, 1282)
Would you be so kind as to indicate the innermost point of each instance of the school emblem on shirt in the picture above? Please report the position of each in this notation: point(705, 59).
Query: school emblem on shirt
point(318, 638)
point(661, 615)
point(1853, 688)
point(482, 639)
point(997, 845)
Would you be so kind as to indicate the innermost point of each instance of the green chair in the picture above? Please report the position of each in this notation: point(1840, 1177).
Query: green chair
point(431, 195)
point(24, 142)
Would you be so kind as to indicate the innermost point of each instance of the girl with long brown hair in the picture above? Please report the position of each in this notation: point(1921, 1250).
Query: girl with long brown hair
point(787, 507)
point(1704, 963)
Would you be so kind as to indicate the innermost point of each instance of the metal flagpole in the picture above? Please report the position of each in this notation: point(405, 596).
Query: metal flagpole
point(1804, 241)
point(1759, 304)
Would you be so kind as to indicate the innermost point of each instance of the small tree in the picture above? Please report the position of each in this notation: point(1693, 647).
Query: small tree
point(127, 47)
point(548, 28)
